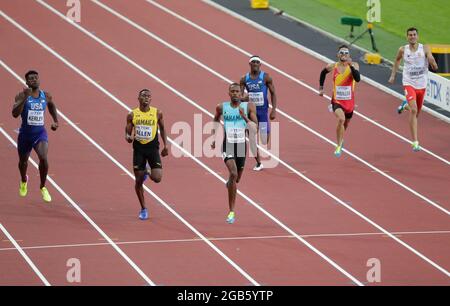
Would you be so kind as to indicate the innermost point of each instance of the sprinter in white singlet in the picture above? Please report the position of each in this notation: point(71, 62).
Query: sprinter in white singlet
point(416, 58)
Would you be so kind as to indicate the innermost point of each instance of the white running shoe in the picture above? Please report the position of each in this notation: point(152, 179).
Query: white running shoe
point(258, 167)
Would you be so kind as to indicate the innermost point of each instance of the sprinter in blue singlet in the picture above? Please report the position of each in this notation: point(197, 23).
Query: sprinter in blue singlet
point(238, 117)
point(256, 83)
point(30, 104)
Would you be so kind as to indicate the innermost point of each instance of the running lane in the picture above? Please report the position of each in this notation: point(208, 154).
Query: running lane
point(201, 212)
point(180, 109)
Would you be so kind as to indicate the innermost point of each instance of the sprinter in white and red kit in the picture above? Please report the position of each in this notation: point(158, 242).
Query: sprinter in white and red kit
point(416, 58)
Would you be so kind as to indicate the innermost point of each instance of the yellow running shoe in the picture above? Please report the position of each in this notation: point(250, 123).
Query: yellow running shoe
point(45, 195)
point(231, 217)
point(23, 190)
point(415, 146)
point(338, 150)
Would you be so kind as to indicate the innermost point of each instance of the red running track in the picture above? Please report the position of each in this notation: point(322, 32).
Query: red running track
point(268, 253)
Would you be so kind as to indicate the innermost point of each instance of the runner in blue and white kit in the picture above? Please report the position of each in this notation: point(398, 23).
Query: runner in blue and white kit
point(238, 117)
point(30, 104)
point(257, 83)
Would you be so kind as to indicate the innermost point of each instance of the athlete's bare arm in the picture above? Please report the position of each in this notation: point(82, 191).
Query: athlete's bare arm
point(330, 67)
point(252, 114)
point(252, 125)
point(323, 74)
point(216, 121)
point(430, 58)
point(397, 62)
point(251, 118)
point(244, 96)
point(19, 102)
point(162, 130)
point(52, 110)
point(129, 128)
point(273, 95)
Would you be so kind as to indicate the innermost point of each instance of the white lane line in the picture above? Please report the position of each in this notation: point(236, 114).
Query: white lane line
point(323, 256)
point(141, 242)
point(331, 262)
point(292, 119)
point(285, 74)
point(21, 251)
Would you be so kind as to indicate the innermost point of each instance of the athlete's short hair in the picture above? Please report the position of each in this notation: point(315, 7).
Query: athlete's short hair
point(343, 47)
point(30, 72)
point(412, 29)
point(233, 84)
point(142, 90)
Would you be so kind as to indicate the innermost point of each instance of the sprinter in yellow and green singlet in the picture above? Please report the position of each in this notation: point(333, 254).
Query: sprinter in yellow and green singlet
point(142, 127)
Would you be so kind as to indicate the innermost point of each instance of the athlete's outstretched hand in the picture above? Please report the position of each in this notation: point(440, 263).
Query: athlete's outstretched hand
point(164, 152)
point(54, 126)
point(129, 138)
point(242, 113)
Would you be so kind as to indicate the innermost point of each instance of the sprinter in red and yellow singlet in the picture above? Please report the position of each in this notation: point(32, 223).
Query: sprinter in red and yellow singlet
point(345, 75)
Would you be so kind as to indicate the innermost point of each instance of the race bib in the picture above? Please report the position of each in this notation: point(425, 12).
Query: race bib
point(416, 72)
point(343, 92)
point(35, 118)
point(257, 98)
point(143, 132)
point(236, 135)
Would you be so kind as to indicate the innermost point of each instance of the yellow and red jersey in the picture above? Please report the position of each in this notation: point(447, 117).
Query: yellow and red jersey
point(344, 88)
